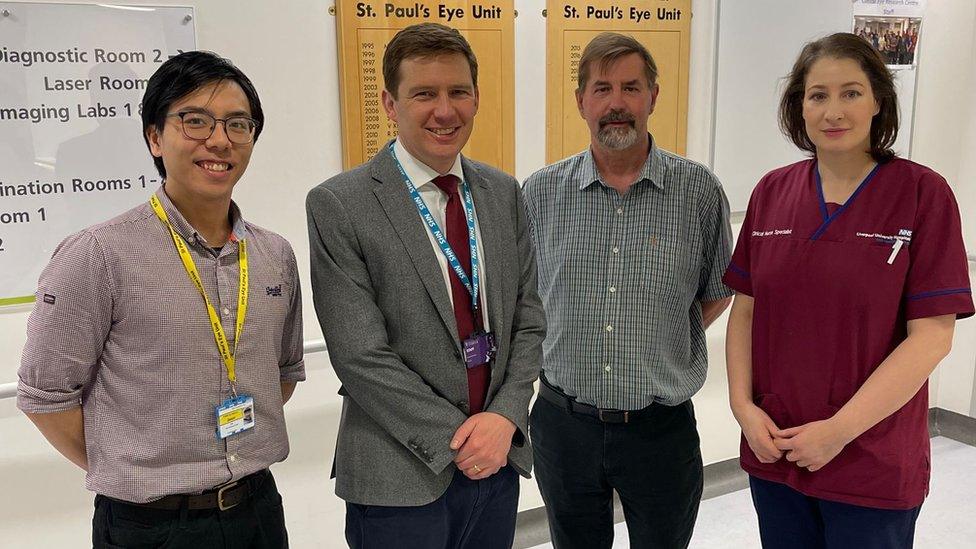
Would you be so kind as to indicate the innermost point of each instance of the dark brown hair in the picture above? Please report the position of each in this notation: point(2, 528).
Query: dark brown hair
point(606, 49)
point(424, 40)
point(842, 45)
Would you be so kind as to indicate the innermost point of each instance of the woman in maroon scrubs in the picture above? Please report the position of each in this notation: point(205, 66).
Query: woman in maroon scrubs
point(850, 273)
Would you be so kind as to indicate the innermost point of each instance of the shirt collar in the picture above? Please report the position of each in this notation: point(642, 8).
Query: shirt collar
point(185, 230)
point(421, 174)
point(653, 169)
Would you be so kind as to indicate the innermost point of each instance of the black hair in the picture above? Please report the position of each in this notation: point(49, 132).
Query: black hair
point(180, 76)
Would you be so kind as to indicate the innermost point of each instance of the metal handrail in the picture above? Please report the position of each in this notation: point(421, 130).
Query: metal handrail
point(9, 390)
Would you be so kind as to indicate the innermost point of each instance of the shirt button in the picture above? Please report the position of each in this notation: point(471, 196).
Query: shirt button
point(226, 311)
point(613, 289)
point(606, 368)
point(609, 327)
point(620, 211)
point(232, 458)
point(616, 250)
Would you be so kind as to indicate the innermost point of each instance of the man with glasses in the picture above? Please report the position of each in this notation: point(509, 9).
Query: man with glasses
point(165, 341)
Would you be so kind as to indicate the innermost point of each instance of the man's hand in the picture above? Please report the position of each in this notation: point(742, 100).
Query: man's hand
point(758, 428)
point(811, 445)
point(482, 443)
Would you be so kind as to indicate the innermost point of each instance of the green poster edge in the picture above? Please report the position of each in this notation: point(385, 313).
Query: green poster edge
point(16, 300)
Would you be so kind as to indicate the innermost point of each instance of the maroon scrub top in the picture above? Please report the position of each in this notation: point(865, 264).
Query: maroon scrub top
point(832, 301)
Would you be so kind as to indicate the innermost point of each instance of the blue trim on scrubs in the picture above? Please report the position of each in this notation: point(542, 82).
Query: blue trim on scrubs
point(738, 271)
point(820, 194)
point(937, 293)
point(823, 204)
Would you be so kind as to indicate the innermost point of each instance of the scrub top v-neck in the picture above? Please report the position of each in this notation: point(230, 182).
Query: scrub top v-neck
point(834, 286)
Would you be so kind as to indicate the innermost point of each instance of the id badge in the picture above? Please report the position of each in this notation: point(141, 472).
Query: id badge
point(235, 415)
point(479, 349)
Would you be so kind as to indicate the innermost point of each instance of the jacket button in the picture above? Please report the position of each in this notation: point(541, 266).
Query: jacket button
point(462, 404)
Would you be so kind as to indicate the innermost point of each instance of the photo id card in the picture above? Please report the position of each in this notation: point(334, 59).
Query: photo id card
point(235, 415)
point(479, 349)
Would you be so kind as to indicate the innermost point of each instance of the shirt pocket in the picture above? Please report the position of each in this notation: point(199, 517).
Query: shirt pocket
point(879, 265)
point(874, 275)
point(669, 261)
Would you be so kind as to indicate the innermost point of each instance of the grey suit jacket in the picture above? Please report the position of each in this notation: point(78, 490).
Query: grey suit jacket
point(391, 334)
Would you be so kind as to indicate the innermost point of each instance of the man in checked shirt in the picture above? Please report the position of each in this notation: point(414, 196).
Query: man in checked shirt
point(165, 341)
point(631, 242)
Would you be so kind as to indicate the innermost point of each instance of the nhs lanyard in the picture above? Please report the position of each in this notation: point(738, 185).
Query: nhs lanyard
point(227, 354)
point(452, 260)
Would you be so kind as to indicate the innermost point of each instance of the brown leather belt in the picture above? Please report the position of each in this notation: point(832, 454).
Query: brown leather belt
point(223, 497)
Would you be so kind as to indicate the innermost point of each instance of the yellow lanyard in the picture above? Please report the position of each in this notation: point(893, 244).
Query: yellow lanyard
point(191, 270)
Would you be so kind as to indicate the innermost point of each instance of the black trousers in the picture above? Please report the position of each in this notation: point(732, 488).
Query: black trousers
point(791, 520)
point(654, 463)
point(471, 514)
point(256, 523)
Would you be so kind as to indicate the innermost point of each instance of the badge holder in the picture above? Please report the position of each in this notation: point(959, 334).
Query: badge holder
point(479, 348)
point(235, 415)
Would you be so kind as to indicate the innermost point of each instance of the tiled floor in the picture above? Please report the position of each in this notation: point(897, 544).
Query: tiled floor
point(946, 522)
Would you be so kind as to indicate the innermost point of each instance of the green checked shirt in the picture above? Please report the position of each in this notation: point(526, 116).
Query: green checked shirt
point(622, 277)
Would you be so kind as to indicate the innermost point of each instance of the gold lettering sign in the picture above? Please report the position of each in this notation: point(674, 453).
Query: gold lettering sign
point(663, 26)
point(364, 29)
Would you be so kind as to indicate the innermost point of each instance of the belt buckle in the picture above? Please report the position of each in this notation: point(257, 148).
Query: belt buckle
point(220, 496)
point(613, 415)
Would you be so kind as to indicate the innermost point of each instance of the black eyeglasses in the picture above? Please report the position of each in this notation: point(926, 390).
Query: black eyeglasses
point(199, 126)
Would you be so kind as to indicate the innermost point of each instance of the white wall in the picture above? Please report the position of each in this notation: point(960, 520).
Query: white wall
point(965, 190)
point(750, 77)
point(289, 50)
point(945, 139)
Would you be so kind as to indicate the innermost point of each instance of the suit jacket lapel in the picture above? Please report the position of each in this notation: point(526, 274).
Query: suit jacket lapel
point(395, 200)
point(489, 219)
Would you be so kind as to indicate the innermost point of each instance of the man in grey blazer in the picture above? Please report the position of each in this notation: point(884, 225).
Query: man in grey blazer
point(424, 283)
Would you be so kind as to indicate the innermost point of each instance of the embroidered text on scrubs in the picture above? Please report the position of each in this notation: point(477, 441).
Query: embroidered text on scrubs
point(773, 232)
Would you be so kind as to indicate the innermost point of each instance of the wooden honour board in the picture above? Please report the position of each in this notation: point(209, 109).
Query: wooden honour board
point(364, 28)
point(663, 26)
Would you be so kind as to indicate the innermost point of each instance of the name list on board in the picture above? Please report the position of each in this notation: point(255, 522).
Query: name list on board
point(364, 30)
point(662, 26)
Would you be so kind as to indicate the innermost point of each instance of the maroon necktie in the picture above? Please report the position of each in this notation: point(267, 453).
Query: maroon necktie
point(468, 321)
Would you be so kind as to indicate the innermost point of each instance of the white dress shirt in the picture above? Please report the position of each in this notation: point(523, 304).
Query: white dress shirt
point(422, 177)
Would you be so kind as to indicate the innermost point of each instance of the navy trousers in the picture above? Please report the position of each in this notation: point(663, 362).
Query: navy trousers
point(653, 463)
point(472, 514)
point(791, 520)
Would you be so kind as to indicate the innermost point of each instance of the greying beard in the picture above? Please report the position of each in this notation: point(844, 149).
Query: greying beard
point(617, 138)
